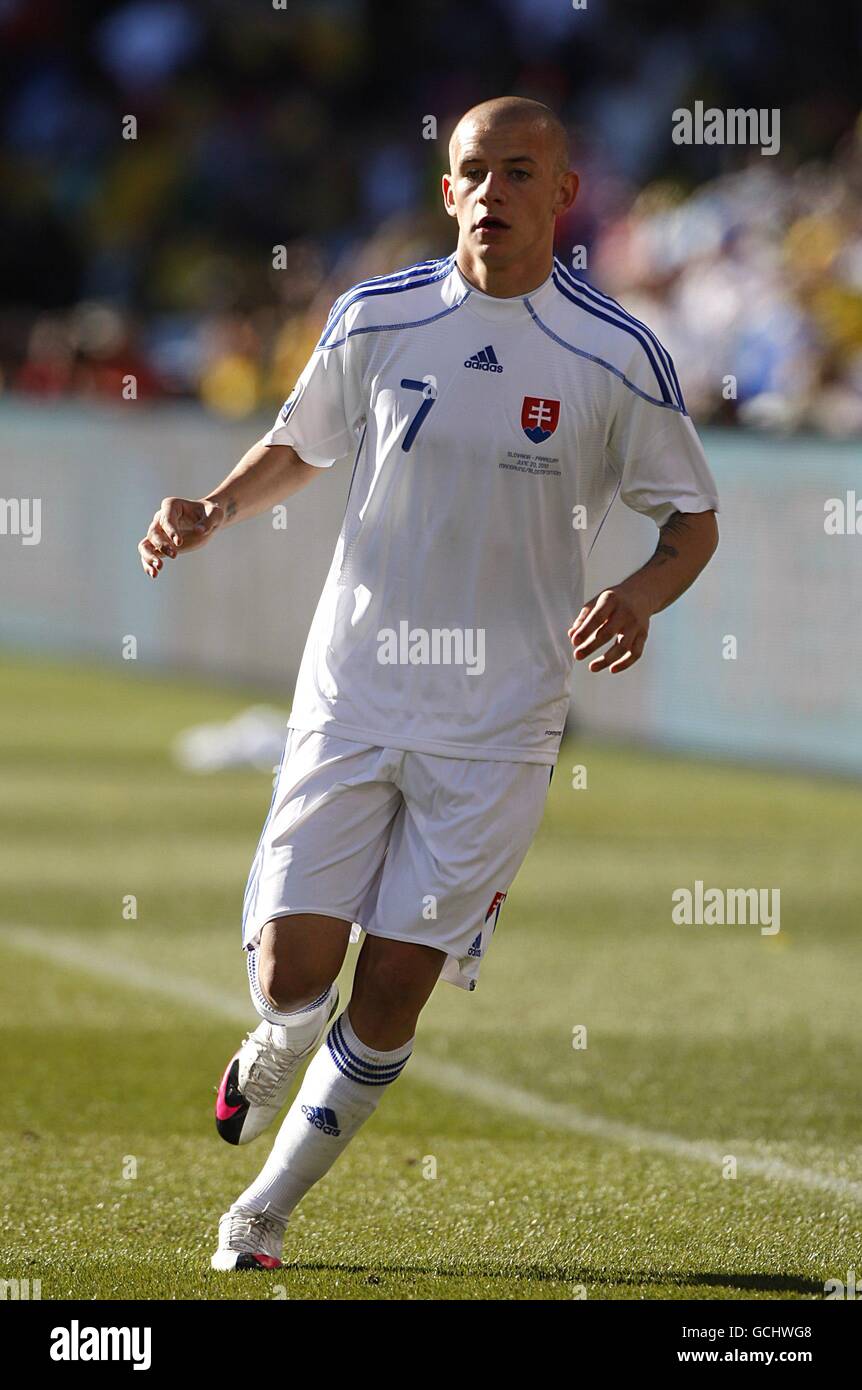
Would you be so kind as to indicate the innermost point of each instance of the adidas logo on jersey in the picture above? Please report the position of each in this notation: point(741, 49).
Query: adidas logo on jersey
point(322, 1118)
point(476, 948)
point(484, 361)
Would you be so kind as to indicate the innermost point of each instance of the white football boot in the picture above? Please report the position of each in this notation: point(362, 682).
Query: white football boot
point(248, 1240)
point(258, 1078)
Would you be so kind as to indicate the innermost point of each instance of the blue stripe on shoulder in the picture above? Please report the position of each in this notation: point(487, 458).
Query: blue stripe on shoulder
point(665, 403)
point(589, 308)
point(420, 266)
point(425, 273)
point(397, 274)
point(393, 327)
point(613, 306)
point(624, 319)
point(600, 298)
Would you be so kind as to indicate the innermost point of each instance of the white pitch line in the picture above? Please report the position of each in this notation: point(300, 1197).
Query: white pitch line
point(444, 1076)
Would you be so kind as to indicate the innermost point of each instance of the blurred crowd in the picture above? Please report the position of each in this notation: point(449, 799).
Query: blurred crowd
point(754, 282)
point(186, 187)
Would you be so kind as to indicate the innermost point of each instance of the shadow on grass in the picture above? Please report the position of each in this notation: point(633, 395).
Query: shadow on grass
point(755, 1283)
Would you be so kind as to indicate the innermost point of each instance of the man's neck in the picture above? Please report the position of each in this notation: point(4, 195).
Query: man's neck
point(507, 282)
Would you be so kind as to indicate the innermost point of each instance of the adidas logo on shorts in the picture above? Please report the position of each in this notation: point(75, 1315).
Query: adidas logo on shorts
point(485, 360)
point(322, 1118)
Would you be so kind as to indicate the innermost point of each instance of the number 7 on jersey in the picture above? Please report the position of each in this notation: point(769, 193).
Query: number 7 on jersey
point(428, 387)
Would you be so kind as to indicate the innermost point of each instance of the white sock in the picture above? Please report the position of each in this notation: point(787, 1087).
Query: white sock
point(343, 1086)
point(299, 1028)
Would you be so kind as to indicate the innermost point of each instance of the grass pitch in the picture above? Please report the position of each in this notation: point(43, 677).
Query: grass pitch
point(594, 1172)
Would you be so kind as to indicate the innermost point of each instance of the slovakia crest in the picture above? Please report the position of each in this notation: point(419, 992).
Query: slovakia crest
point(539, 418)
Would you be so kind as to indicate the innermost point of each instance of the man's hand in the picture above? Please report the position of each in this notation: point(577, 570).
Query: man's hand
point(619, 616)
point(266, 474)
point(178, 525)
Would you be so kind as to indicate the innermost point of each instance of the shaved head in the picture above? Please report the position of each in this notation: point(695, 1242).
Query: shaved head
point(508, 182)
point(501, 111)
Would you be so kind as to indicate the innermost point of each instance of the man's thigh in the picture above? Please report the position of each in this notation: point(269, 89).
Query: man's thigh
point(324, 842)
point(455, 847)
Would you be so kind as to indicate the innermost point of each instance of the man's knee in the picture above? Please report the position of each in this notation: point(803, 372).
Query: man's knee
point(286, 988)
point(298, 958)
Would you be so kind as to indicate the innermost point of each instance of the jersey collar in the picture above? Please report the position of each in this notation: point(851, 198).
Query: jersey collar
point(488, 306)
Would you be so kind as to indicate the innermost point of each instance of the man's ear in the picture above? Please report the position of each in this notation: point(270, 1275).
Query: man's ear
point(448, 195)
point(567, 193)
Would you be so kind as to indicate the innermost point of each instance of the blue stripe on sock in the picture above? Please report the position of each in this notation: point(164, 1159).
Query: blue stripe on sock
point(362, 1080)
point(347, 1061)
point(358, 1061)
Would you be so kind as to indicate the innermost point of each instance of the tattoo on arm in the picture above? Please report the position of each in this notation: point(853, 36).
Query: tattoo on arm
point(229, 509)
point(663, 553)
point(675, 526)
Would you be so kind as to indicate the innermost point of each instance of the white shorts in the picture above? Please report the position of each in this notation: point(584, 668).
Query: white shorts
point(410, 846)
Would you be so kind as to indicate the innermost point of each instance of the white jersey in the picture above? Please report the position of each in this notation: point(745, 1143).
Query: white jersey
point(489, 438)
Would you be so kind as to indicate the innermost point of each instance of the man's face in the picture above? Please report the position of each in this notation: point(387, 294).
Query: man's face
point(505, 189)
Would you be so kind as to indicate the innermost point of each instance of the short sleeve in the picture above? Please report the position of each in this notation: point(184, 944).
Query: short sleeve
point(655, 450)
point(317, 419)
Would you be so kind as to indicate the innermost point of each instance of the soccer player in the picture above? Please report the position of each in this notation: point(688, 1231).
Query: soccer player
point(487, 400)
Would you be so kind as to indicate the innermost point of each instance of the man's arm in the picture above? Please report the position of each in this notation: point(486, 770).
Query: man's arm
point(266, 474)
point(621, 615)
